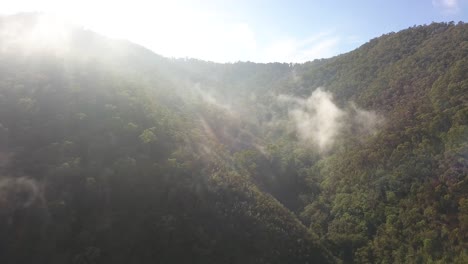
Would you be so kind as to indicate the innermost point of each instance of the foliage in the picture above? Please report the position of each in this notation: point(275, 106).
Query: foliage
point(112, 154)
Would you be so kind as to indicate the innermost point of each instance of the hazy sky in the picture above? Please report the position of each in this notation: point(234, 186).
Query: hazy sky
point(247, 30)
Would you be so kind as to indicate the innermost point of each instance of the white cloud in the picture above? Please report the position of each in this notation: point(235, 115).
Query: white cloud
point(209, 98)
point(365, 122)
point(320, 122)
point(447, 6)
point(317, 118)
point(322, 45)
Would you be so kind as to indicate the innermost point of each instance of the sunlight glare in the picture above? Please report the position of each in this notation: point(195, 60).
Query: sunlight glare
point(179, 28)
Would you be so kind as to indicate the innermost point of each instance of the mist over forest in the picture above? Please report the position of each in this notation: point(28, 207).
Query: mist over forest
point(110, 153)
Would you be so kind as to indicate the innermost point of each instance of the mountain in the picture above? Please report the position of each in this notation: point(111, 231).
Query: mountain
point(110, 153)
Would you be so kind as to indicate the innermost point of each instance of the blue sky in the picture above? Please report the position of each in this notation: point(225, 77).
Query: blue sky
point(248, 30)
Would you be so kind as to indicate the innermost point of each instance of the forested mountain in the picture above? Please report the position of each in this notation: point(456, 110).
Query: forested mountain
point(110, 153)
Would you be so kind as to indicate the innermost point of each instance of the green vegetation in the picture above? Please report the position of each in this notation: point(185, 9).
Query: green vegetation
point(112, 154)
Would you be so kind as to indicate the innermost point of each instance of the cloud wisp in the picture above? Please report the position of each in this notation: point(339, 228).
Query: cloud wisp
point(317, 118)
point(209, 98)
point(447, 7)
point(322, 45)
point(320, 122)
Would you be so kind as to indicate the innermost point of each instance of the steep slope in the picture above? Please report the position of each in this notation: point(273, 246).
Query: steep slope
point(396, 195)
point(104, 162)
point(113, 154)
point(400, 196)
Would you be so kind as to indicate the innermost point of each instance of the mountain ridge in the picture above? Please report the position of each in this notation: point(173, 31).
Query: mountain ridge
point(133, 157)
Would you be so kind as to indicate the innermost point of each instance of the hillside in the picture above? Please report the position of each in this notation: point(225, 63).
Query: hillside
point(110, 153)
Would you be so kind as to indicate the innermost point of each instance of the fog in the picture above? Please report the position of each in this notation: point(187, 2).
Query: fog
point(318, 121)
point(30, 34)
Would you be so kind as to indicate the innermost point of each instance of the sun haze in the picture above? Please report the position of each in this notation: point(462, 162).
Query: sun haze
point(259, 31)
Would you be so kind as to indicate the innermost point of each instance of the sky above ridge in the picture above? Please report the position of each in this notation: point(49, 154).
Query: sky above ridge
point(247, 30)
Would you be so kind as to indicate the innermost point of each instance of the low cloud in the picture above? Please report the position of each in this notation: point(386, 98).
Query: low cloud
point(209, 98)
point(319, 121)
point(317, 118)
point(364, 122)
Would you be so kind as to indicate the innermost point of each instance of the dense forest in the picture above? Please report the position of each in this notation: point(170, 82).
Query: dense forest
point(110, 153)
